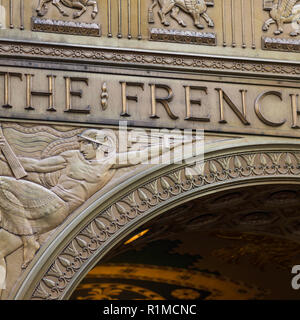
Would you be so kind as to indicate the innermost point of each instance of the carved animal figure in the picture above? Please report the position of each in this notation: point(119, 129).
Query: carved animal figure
point(196, 8)
point(82, 5)
point(284, 11)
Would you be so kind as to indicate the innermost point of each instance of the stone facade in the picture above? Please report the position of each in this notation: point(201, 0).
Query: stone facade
point(74, 73)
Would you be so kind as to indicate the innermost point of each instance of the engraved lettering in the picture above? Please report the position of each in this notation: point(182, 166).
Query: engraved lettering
point(241, 115)
point(71, 93)
point(164, 101)
point(126, 97)
point(189, 101)
point(49, 93)
point(7, 87)
point(258, 107)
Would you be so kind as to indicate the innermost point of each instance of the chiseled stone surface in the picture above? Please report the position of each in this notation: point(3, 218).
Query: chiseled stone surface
point(72, 70)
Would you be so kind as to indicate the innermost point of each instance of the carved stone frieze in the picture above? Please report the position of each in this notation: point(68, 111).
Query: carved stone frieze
point(236, 23)
point(281, 44)
point(143, 58)
point(113, 219)
point(181, 36)
point(69, 27)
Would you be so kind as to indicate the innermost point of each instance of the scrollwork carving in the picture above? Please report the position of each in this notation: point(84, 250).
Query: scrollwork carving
point(281, 44)
point(162, 60)
point(191, 37)
point(69, 27)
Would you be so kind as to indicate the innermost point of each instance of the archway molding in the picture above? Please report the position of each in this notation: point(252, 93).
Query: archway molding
point(80, 243)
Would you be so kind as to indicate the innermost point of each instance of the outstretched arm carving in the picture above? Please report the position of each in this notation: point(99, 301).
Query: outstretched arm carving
point(51, 164)
point(132, 158)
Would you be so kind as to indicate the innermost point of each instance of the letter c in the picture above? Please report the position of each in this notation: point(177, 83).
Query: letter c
point(258, 108)
point(176, 306)
point(193, 306)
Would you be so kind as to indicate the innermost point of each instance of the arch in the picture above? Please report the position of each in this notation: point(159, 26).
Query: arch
point(76, 247)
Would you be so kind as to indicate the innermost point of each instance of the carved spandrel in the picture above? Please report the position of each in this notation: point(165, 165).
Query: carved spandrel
point(43, 180)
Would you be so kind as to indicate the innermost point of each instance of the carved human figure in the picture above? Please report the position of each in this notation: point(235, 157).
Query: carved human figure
point(28, 209)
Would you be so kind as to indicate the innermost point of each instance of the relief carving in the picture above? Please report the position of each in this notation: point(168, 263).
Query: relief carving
point(278, 44)
point(63, 26)
point(72, 259)
point(56, 172)
point(104, 96)
point(146, 58)
point(68, 27)
point(196, 8)
point(283, 12)
point(82, 5)
point(180, 36)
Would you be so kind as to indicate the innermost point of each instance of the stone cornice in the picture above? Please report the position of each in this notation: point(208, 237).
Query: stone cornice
point(149, 59)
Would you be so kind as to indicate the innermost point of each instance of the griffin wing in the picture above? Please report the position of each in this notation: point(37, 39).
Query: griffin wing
point(286, 7)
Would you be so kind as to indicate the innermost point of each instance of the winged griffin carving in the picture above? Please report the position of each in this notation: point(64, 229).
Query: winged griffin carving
point(196, 8)
point(81, 5)
point(284, 11)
